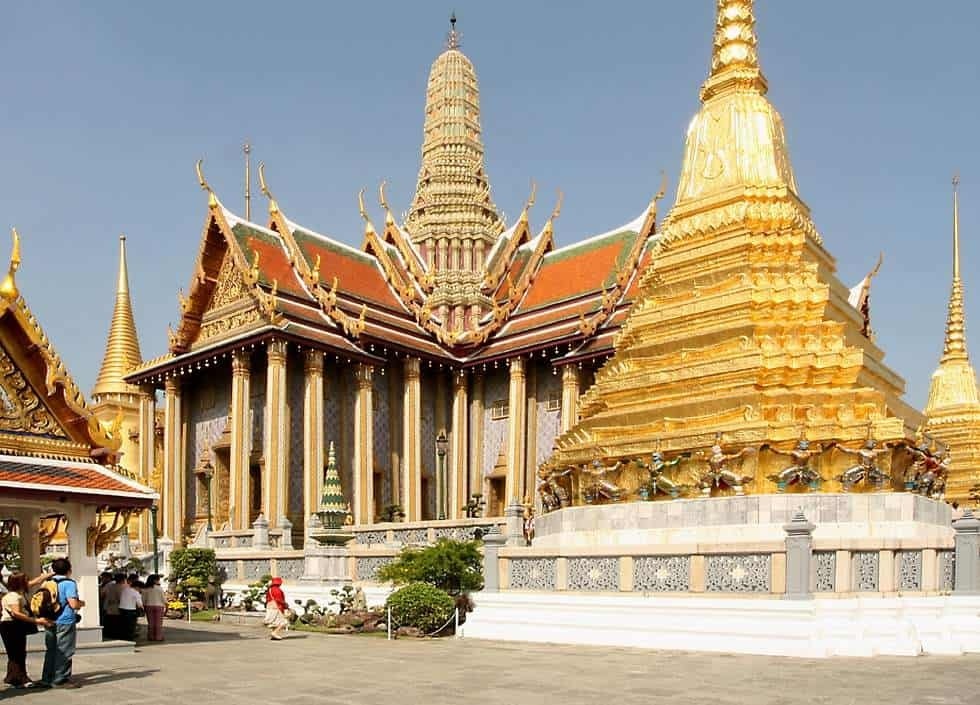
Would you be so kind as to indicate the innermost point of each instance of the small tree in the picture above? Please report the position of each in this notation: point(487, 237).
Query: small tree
point(452, 566)
point(193, 570)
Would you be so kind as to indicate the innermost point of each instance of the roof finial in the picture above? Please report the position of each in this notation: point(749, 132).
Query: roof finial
point(453, 38)
point(955, 345)
point(734, 56)
point(8, 287)
point(247, 149)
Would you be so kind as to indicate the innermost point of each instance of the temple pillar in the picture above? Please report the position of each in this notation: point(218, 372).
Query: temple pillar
point(476, 436)
point(441, 426)
point(516, 426)
point(241, 441)
point(394, 433)
point(173, 465)
point(364, 446)
point(459, 448)
point(147, 456)
point(30, 542)
point(276, 434)
point(411, 445)
point(530, 435)
point(569, 396)
point(84, 565)
point(312, 431)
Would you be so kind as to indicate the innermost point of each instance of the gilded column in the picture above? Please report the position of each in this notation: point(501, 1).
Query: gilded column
point(476, 435)
point(394, 432)
point(569, 396)
point(364, 446)
point(411, 443)
point(147, 456)
point(276, 434)
point(173, 476)
point(531, 435)
point(515, 429)
point(459, 449)
point(312, 431)
point(241, 440)
point(441, 426)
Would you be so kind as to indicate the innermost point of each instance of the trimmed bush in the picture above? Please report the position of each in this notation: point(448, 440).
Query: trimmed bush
point(453, 566)
point(420, 605)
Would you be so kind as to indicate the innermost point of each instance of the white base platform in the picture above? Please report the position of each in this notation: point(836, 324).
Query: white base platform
point(819, 628)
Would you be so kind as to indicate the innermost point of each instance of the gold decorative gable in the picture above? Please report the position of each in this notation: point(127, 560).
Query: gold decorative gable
point(21, 409)
point(232, 306)
point(230, 287)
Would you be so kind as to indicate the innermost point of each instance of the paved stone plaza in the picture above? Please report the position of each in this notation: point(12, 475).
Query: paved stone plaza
point(211, 663)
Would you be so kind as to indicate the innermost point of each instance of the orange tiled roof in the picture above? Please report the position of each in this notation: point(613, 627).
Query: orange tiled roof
point(28, 474)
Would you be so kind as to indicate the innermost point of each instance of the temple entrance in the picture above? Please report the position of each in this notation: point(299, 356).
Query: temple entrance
point(379, 499)
point(424, 500)
point(497, 500)
point(254, 492)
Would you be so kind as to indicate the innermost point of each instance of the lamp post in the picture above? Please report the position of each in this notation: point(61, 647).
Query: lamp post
point(442, 445)
point(153, 532)
point(207, 471)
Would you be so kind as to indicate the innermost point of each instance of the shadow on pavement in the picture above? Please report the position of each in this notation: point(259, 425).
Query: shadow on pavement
point(193, 635)
point(84, 679)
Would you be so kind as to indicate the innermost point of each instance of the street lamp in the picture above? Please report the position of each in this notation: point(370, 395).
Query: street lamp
point(153, 532)
point(442, 445)
point(207, 471)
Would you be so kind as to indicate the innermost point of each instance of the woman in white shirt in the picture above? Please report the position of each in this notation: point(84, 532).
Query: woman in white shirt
point(130, 602)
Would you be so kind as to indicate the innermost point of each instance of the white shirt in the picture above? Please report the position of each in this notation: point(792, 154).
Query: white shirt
point(129, 598)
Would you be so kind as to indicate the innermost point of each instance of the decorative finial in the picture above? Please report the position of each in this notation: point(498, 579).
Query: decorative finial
point(264, 188)
point(453, 39)
point(368, 227)
point(734, 57)
point(212, 199)
point(955, 344)
point(247, 149)
point(8, 287)
point(389, 219)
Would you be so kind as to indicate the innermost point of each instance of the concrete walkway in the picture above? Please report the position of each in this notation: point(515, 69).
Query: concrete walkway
point(206, 663)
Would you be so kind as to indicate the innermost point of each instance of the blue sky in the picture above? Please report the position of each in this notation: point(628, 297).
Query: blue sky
point(106, 106)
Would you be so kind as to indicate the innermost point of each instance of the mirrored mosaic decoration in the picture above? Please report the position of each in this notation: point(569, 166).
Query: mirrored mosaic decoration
point(738, 573)
point(533, 573)
point(596, 574)
point(662, 573)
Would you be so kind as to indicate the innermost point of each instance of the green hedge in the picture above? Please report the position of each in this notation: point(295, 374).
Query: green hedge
point(420, 605)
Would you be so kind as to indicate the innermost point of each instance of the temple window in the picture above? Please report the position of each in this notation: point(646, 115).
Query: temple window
point(553, 402)
point(500, 409)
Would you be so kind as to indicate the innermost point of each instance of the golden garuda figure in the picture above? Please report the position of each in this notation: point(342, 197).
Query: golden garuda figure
point(867, 469)
point(718, 474)
point(799, 472)
point(600, 487)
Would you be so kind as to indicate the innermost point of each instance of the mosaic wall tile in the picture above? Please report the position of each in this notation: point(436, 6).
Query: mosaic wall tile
point(367, 566)
point(411, 536)
point(228, 570)
point(533, 573)
point(496, 386)
point(738, 573)
point(593, 574)
point(662, 574)
point(549, 421)
point(254, 570)
point(295, 384)
point(290, 568)
point(366, 538)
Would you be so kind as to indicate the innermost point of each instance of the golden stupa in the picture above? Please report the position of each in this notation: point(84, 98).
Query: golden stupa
point(953, 408)
point(742, 335)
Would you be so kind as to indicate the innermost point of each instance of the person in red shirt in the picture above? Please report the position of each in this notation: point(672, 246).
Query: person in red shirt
point(275, 609)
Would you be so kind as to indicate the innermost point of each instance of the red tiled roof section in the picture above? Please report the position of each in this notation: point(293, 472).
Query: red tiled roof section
point(357, 275)
point(583, 270)
point(76, 476)
point(273, 263)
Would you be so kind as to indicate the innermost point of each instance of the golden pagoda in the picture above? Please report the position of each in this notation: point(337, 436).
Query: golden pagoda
point(452, 220)
point(953, 409)
point(115, 402)
point(741, 331)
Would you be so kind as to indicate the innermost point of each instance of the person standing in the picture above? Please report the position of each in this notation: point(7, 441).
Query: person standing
point(111, 624)
point(16, 622)
point(154, 603)
point(130, 603)
point(59, 640)
point(275, 609)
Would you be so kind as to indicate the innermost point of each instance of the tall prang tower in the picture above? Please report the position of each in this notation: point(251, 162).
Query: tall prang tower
point(741, 327)
point(453, 221)
point(953, 409)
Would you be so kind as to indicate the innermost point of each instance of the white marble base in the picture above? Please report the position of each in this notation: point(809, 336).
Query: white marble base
point(860, 626)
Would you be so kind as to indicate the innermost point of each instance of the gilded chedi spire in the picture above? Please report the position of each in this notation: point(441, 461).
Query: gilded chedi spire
point(122, 350)
point(737, 140)
point(954, 383)
point(452, 198)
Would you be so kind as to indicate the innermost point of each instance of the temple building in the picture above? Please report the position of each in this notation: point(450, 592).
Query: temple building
point(442, 357)
point(953, 409)
point(59, 472)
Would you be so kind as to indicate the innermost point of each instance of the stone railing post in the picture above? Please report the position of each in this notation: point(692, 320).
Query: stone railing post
point(260, 532)
point(799, 550)
point(492, 541)
point(966, 580)
point(514, 514)
point(286, 542)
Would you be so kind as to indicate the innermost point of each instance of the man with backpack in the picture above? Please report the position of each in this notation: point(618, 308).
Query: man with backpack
point(63, 604)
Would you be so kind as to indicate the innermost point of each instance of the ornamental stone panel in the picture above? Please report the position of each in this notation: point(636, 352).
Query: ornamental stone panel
point(865, 571)
point(290, 568)
point(947, 570)
point(411, 536)
point(662, 574)
point(738, 573)
point(366, 538)
point(825, 571)
point(367, 567)
point(533, 573)
point(909, 570)
point(254, 570)
point(594, 574)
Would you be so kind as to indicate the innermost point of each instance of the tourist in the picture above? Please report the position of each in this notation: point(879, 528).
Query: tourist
point(16, 623)
point(109, 597)
point(59, 640)
point(275, 609)
point(130, 603)
point(154, 604)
